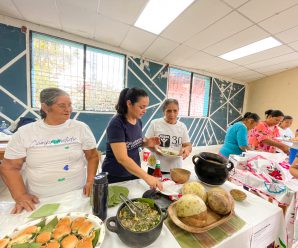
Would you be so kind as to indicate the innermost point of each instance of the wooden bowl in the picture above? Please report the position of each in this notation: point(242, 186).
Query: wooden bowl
point(213, 220)
point(238, 195)
point(179, 175)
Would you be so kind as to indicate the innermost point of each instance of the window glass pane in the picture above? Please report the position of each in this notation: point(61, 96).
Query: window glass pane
point(199, 95)
point(57, 63)
point(104, 79)
point(179, 88)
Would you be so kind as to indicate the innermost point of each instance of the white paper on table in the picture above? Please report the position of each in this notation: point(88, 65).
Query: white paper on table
point(265, 232)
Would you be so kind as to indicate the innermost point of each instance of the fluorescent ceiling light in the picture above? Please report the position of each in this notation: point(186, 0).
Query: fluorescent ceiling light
point(252, 48)
point(158, 14)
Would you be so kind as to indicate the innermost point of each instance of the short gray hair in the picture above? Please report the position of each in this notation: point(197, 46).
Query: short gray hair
point(49, 96)
point(167, 102)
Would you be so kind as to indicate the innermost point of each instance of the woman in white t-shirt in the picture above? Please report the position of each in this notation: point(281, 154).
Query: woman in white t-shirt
point(173, 135)
point(60, 154)
point(284, 128)
point(285, 131)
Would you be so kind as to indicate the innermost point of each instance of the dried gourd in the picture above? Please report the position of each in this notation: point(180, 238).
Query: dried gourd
point(220, 201)
point(194, 188)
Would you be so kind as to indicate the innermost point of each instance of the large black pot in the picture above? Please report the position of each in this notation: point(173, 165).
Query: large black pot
point(211, 168)
point(136, 239)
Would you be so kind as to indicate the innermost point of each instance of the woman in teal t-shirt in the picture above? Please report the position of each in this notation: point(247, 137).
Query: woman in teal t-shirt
point(236, 140)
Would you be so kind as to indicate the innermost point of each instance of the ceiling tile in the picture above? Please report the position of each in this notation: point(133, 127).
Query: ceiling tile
point(137, 40)
point(249, 74)
point(160, 48)
point(49, 17)
point(232, 70)
point(248, 79)
point(235, 3)
point(258, 10)
point(273, 61)
point(110, 31)
point(7, 8)
point(219, 31)
point(294, 45)
point(126, 11)
point(281, 22)
point(179, 54)
point(199, 60)
point(195, 19)
point(69, 14)
point(84, 6)
point(220, 65)
point(238, 40)
point(289, 35)
point(267, 54)
point(272, 69)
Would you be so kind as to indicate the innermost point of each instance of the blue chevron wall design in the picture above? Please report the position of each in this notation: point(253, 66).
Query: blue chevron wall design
point(226, 98)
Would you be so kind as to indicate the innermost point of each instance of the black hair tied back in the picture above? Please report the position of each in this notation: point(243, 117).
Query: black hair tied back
point(131, 94)
point(273, 113)
point(249, 115)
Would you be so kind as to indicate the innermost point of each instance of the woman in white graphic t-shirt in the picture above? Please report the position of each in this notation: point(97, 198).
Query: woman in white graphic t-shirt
point(60, 154)
point(173, 135)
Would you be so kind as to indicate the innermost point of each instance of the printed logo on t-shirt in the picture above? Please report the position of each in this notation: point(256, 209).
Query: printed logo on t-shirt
point(134, 144)
point(165, 140)
point(52, 142)
point(170, 141)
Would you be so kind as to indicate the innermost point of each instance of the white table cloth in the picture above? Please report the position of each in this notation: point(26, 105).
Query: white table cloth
point(264, 221)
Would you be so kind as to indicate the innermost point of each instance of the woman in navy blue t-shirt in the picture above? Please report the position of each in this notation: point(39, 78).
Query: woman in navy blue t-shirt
point(124, 137)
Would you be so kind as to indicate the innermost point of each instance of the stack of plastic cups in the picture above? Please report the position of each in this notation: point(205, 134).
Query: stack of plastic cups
point(293, 152)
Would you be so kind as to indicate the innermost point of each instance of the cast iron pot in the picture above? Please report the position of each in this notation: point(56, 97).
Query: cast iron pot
point(211, 168)
point(136, 239)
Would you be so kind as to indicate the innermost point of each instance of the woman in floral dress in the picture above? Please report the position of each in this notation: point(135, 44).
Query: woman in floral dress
point(263, 136)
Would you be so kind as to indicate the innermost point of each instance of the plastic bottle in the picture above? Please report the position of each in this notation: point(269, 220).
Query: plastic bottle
point(3, 126)
point(157, 172)
point(100, 195)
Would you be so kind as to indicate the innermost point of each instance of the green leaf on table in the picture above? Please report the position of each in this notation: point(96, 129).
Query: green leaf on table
point(95, 239)
point(114, 192)
point(110, 196)
point(26, 245)
point(41, 224)
point(151, 202)
point(45, 210)
point(50, 226)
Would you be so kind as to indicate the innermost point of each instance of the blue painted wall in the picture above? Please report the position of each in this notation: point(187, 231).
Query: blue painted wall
point(226, 98)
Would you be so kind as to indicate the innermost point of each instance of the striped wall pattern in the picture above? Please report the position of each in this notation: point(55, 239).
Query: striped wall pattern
point(226, 99)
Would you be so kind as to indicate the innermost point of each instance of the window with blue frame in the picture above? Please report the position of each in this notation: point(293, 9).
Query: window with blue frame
point(191, 90)
point(93, 77)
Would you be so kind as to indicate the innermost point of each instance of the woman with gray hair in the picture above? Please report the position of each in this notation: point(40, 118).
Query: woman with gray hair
point(57, 151)
point(173, 135)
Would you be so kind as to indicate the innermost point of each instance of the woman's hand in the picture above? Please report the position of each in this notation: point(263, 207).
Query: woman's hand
point(26, 201)
point(184, 152)
point(153, 182)
point(151, 142)
point(285, 149)
point(88, 188)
